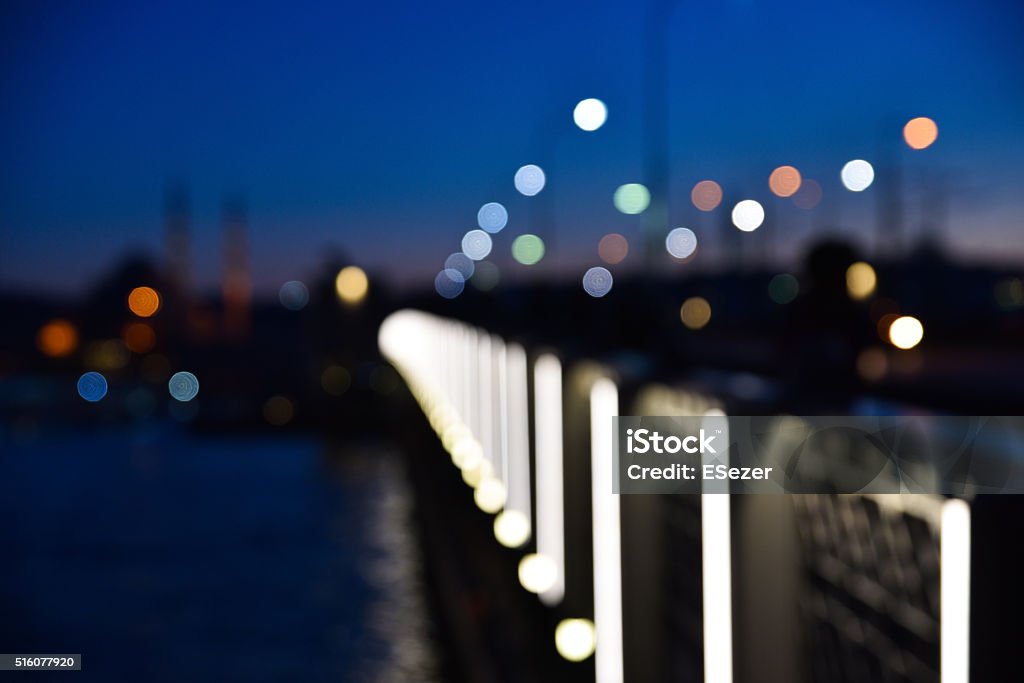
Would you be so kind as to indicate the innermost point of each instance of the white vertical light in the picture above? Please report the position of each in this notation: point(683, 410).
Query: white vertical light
point(604, 405)
point(547, 420)
point(487, 422)
point(501, 375)
point(519, 495)
point(955, 591)
point(716, 560)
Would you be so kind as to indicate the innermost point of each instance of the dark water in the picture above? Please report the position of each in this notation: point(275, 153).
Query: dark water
point(163, 556)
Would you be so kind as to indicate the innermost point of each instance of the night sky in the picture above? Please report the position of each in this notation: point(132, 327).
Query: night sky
point(381, 127)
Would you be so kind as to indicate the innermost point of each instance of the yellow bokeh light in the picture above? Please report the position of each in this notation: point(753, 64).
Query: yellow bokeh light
point(906, 332)
point(537, 573)
point(920, 132)
point(352, 285)
point(861, 280)
point(511, 528)
point(143, 301)
point(706, 195)
point(490, 495)
point(695, 312)
point(784, 181)
point(57, 338)
point(575, 639)
point(278, 410)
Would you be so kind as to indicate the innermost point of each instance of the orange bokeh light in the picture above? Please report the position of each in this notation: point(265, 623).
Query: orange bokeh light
point(613, 248)
point(920, 132)
point(706, 195)
point(143, 301)
point(784, 181)
point(139, 337)
point(57, 338)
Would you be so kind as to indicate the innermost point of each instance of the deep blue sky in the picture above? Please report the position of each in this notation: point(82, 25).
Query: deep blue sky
point(381, 127)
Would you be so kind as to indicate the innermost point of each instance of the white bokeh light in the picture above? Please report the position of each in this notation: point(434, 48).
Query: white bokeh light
point(681, 242)
point(477, 244)
point(590, 114)
point(460, 262)
point(597, 281)
point(449, 283)
point(530, 180)
point(492, 217)
point(748, 215)
point(857, 175)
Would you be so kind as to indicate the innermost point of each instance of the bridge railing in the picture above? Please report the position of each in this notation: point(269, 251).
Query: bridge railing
point(683, 587)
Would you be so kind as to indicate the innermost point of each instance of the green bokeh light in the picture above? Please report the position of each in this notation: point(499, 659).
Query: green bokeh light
point(783, 288)
point(528, 249)
point(632, 198)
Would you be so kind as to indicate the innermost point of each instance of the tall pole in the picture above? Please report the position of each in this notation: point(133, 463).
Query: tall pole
point(656, 126)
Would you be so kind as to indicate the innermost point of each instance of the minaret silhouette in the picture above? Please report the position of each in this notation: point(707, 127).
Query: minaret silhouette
point(236, 288)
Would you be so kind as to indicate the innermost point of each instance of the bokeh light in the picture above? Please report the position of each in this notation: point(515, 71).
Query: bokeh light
point(184, 386)
point(490, 494)
point(278, 410)
point(906, 332)
point(857, 175)
point(575, 639)
point(143, 301)
point(486, 277)
point(920, 133)
point(537, 573)
point(138, 337)
point(613, 248)
point(335, 380)
point(492, 217)
point(860, 280)
point(784, 181)
point(695, 312)
point(783, 288)
point(107, 354)
point(92, 386)
point(57, 338)
point(1009, 293)
point(632, 198)
point(872, 364)
point(681, 243)
point(293, 295)
point(706, 195)
point(809, 194)
point(511, 528)
point(528, 249)
point(462, 263)
point(748, 215)
point(477, 244)
point(597, 281)
point(590, 114)
point(351, 285)
point(530, 180)
point(449, 283)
